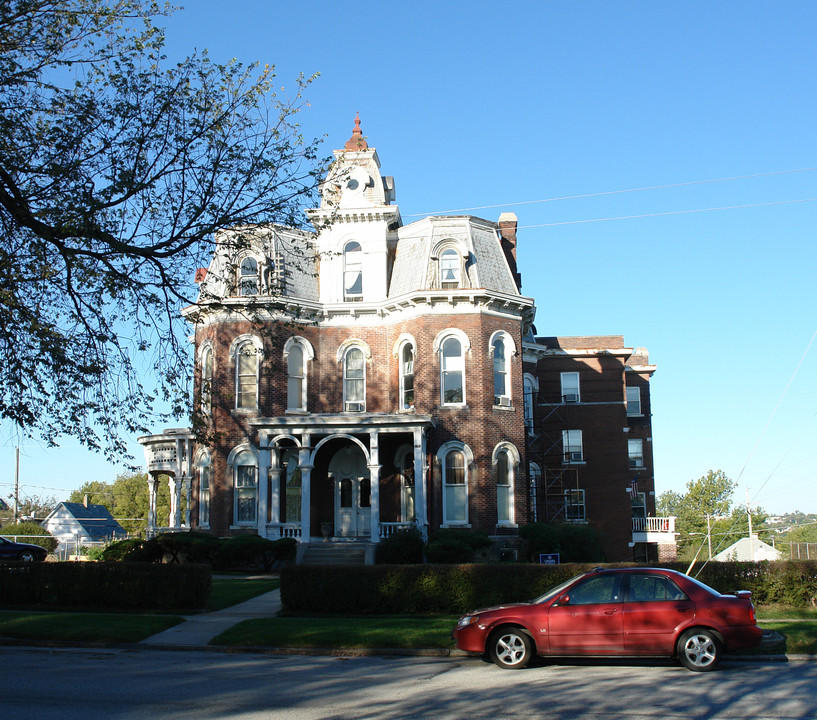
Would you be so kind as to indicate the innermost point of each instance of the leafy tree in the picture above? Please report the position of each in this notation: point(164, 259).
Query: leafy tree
point(31, 533)
point(116, 168)
point(35, 507)
point(706, 516)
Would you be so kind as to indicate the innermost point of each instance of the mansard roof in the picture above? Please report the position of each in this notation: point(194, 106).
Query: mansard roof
point(419, 244)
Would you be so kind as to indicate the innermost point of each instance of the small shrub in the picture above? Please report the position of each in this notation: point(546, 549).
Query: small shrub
point(452, 545)
point(188, 547)
point(574, 543)
point(121, 549)
point(253, 551)
point(44, 538)
point(403, 547)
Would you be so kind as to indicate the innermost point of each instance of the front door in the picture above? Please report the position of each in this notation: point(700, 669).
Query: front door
point(353, 507)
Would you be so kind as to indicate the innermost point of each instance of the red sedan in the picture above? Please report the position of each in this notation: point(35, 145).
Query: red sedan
point(616, 612)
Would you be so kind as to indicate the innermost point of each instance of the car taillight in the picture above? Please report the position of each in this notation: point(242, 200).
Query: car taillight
point(752, 615)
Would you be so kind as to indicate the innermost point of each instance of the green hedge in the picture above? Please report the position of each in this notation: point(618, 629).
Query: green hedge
point(243, 551)
point(393, 589)
point(25, 531)
point(88, 585)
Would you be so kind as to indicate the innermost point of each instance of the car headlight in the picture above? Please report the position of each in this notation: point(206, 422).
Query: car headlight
point(466, 620)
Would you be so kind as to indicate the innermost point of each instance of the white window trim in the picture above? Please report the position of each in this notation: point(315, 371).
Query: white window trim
point(569, 438)
point(206, 389)
point(627, 401)
point(465, 345)
point(236, 346)
point(308, 356)
point(343, 350)
point(232, 467)
point(513, 465)
point(510, 352)
point(571, 397)
point(357, 297)
point(240, 277)
point(204, 462)
point(532, 382)
point(469, 459)
point(583, 505)
point(631, 442)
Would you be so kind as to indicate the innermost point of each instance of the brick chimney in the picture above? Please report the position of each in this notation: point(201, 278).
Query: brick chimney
point(507, 234)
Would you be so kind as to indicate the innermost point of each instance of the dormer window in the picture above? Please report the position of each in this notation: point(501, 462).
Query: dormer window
point(450, 273)
point(248, 277)
point(352, 272)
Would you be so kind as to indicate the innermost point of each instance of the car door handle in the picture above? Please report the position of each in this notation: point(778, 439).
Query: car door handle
point(682, 609)
point(610, 611)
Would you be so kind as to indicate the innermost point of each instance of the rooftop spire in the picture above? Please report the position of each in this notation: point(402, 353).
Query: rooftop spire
point(357, 141)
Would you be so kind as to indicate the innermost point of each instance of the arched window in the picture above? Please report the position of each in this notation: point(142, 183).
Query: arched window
point(450, 272)
point(535, 477)
point(455, 487)
point(292, 493)
point(407, 376)
point(354, 380)
point(352, 272)
point(246, 376)
point(296, 399)
point(404, 462)
point(502, 394)
point(205, 473)
point(207, 380)
point(529, 386)
point(452, 372)
point(245, 488)
point(248, 276)
point(504, 464)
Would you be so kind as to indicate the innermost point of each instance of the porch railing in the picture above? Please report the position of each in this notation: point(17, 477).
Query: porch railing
point(654, 525)
point(283, 530)
point(387, 529)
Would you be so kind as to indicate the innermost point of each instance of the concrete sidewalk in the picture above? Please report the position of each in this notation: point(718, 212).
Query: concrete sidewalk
point(198, 630)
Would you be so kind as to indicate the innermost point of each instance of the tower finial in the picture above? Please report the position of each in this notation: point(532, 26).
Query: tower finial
point(357, 141)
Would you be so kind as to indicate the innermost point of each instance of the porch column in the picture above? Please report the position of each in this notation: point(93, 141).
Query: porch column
point(188, 493)
point(275, 488)
point(374, 484)
point(175, 494)
point(151, 531)
point(420, 474)
point(263, 490)
point(305, 463)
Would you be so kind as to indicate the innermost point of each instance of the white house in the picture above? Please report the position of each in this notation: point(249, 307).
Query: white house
point(78, 524)
point(748, 550)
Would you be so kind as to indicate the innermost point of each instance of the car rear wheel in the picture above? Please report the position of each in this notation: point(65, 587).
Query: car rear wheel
point(27, 556)
point(699, 650)
point(510, 648)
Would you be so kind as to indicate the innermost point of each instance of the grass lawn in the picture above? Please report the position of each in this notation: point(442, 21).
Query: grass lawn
point(227, 591)
point(785, 612)
point(386, 631)
point(85, 627)
point(801, 637)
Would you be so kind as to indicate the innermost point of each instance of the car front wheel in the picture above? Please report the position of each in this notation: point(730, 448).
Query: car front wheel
point(510, 648)
point(699, 650)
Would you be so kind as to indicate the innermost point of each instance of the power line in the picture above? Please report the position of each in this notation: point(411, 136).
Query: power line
point(670, 212)
point(617, 192)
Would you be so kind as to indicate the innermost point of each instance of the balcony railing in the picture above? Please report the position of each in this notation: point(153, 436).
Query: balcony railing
point(654, 525)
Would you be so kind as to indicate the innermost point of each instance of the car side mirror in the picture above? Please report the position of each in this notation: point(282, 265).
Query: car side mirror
point(563, 600)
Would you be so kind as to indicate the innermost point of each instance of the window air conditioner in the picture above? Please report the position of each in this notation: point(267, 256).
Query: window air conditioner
point(571, 398)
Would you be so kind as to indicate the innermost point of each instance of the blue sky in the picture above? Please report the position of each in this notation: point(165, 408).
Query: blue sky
point(480, 109)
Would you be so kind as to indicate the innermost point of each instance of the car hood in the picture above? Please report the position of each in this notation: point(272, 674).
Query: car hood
point(505, 606)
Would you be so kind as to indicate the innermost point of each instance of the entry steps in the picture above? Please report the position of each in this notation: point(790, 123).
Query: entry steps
point(335, 554)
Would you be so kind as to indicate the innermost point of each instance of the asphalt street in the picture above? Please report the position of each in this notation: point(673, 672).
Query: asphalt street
point(142, 682)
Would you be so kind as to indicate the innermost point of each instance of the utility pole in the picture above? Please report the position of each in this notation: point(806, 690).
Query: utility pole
point(709, 534)
point(749, 513)
point(16, 481)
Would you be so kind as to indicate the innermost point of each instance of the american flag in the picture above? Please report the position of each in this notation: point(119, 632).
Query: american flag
point(634, 488)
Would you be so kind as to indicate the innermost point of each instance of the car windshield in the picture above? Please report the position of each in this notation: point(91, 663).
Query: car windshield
point(553, 592)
